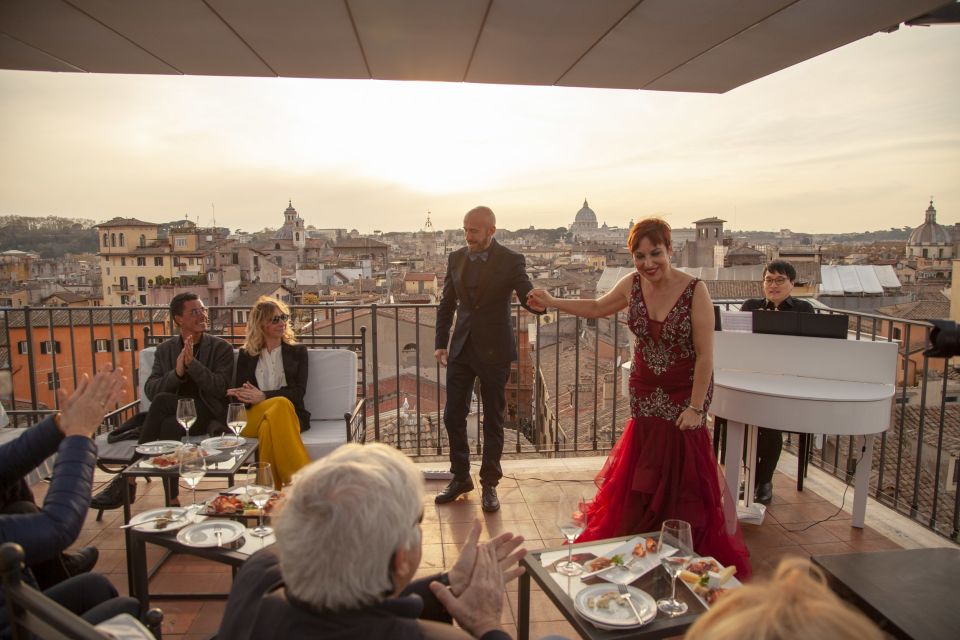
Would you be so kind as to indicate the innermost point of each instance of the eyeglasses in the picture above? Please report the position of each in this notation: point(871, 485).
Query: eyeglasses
point(198, 311)
point(280, 318)
point(777, 281)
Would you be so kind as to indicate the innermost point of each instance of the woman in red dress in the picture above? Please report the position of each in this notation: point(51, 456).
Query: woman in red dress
point(663, 466)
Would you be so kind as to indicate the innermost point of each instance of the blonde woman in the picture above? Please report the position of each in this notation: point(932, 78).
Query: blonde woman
point(271, 380)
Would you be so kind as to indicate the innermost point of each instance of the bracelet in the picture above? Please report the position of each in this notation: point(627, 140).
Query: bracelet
point(699, 412)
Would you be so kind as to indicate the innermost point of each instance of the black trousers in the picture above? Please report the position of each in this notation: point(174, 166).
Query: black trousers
point(769, 446)
point(161, 424)
point(93, 597)
point(161, 421)
point(462, 372)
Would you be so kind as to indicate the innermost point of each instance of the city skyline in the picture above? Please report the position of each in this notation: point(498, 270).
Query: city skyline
point(856, 139)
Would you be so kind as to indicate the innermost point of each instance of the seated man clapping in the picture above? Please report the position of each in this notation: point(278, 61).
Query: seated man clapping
point(348, 546)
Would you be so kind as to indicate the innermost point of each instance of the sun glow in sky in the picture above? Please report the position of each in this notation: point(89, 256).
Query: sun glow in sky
point(856, 139)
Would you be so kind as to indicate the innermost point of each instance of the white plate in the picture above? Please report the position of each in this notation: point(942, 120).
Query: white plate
point(732, 583)
point(639, 566)
point(203, 534)
point(158, 447)
point(222, 442)
point(619, 615)
point(153, 514)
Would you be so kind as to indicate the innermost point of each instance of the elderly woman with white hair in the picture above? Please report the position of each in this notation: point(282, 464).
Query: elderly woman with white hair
point(348, 546)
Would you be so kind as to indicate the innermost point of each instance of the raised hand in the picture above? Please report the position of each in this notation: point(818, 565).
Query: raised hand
point(478, 608)
point(83, 410)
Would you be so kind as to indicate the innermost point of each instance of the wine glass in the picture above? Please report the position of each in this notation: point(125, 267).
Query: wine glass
point(186, 414)
point(192, 468)
point(258, 484)
point(571, 520)
point(236, 419)
point(676, 534)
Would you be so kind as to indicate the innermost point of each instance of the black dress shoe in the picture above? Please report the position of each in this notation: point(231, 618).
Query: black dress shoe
point(764, 493)
point(111, 496)
point(454, 490)
point(80, 562)
point(489, 500)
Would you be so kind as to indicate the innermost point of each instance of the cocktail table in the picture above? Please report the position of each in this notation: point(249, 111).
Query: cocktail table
point(655, 582)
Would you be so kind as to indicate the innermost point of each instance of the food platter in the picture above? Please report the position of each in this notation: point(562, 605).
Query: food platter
point(162, 519)
point(171, 460)
point(627, 562)
point(601, 605)
point(204, 534)
point(707, 579)
point(234, 502)
point(157, 447)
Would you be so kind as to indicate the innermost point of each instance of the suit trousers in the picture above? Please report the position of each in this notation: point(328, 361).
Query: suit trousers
point(769, 446)
point(462, 372)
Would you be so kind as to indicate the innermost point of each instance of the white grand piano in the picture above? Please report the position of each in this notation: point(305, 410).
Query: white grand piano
point(804, 385)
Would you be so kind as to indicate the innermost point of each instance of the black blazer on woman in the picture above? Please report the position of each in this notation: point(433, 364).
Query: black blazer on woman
point(294, 368)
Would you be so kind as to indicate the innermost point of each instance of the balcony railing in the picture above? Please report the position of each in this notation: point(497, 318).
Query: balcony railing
point(566, 394)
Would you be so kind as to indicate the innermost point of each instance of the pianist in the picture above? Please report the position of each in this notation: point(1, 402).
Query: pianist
point(778, 279)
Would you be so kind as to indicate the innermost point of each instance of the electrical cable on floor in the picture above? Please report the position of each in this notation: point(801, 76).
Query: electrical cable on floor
point(843, 498)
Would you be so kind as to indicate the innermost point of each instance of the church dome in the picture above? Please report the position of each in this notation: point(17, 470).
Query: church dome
point(930, 233)
point(586, 215)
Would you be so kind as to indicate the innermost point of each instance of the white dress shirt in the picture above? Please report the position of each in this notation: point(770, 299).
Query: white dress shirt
point(270, 372)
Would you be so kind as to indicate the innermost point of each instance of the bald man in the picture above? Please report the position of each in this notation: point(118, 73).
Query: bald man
point(480, 282)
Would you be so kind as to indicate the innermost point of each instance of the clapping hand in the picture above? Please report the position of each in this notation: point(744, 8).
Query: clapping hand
point(83, 410)
point(508, 554)
point(478, 607)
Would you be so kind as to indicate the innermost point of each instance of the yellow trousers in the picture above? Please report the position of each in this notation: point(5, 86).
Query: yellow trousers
point(275, 424)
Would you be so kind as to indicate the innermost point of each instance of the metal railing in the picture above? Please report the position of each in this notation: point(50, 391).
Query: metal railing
point(566, 394)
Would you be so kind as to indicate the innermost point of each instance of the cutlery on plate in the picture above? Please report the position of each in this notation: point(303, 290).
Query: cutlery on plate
point(219, 536)
point(625, 595)
point(169, 521)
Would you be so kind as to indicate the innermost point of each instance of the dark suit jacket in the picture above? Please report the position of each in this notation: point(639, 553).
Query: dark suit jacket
point(294, 368)
point(258, 607)
point(488, 319)
point(789, 304)
point(210, 369)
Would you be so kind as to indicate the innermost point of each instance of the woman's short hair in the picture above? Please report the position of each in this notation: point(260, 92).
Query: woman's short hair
point(263, 310)
point(344, 517)
point(795, 604)
point(657, 231)
point(782, 267)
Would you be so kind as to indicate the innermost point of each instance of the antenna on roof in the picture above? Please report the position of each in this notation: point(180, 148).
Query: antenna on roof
point(213, 211)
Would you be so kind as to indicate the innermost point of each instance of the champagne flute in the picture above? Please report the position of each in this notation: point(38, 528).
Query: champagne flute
point(192, 468)
point(676, 534)
point(186, 414)
point(236, 419)
point(571, 520)
point(258, 484)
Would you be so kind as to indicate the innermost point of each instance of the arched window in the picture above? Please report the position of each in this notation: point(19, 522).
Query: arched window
point(143, 240)
point(121, 240)
point(409, 354)
point(113, 239)
point(106, 240)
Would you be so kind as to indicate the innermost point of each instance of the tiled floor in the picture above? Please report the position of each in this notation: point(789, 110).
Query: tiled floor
point(525, 494)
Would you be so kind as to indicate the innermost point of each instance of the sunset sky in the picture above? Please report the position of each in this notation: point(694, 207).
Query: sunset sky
point(856, 139)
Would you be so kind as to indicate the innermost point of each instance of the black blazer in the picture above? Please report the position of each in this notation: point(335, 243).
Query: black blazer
point(294, 368)
point(487, 319)
point(789, 304)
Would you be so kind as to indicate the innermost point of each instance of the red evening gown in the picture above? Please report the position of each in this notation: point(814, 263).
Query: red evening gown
point(655, 471)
